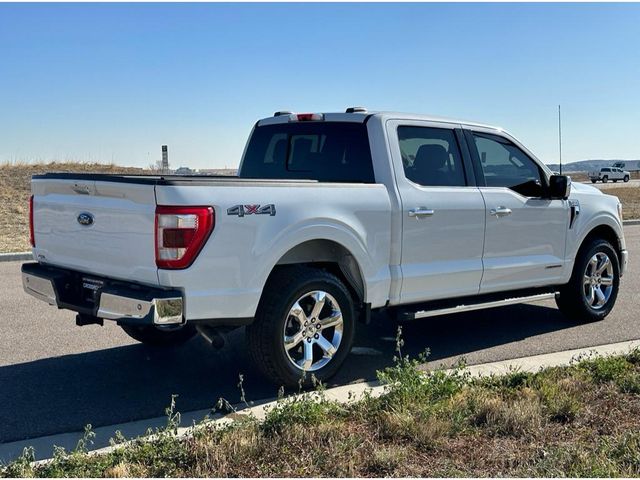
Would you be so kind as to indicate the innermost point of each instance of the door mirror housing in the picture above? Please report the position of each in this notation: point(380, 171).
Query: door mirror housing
point(559, 187)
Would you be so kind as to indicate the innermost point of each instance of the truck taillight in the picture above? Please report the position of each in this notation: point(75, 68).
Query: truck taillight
point(306, 117)
point(181, 232)
point(32, 238)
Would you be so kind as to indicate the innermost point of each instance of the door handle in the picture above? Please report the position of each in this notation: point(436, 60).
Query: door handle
point(500, 211)
point(421, 212)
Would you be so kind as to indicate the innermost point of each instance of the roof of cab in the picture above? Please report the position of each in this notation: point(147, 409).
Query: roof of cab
point(360, 117)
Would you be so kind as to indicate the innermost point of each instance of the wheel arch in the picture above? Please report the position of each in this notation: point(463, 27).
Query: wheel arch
point(331, 256)
point(605, 232)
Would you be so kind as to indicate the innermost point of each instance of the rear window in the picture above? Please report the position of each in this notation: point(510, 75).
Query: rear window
point(323, 151)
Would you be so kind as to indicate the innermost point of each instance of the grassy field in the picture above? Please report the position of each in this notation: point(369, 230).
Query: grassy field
point(15, 191)
point(630, 198)
point(576, 421)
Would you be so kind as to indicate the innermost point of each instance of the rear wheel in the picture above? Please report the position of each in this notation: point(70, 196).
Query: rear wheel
point(592, 291)
point(160, 336)
point(304, 326)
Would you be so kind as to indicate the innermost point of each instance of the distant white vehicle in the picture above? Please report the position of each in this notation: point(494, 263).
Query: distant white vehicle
point(609, 173)
point(184, 171)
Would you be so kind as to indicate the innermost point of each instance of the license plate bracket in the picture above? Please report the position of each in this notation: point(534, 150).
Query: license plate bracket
point(91, 288)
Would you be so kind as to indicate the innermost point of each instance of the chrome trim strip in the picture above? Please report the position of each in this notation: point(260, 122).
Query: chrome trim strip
point(482, 306)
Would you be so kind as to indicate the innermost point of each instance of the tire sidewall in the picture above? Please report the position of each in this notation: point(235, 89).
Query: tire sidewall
point(342, 296)
point(598, 246)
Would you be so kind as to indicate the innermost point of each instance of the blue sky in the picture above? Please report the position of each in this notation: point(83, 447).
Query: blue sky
point(113, 82)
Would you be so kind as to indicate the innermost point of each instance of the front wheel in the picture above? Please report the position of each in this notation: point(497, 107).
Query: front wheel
point(160, 336)
point(592, 291)
point(304, 326)
point(605, 179)
point(626, 178)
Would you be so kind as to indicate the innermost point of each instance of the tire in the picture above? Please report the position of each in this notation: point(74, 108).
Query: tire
point(605, 179)
point(593, 181)
point(277, 317)
point(160, 336)
point(615, 181)
point(574, 297)
point(626, 178)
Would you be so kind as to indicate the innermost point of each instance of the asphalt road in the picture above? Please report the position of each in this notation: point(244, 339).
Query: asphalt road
point(635, 183)
point(56, 377)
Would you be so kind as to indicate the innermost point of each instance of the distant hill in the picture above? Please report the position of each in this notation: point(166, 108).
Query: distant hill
point(588, 165)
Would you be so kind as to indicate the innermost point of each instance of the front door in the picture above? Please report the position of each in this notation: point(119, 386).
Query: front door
point(443, 213)
point(525, 235)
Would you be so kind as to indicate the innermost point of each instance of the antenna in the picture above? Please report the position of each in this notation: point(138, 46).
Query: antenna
point(560, 137)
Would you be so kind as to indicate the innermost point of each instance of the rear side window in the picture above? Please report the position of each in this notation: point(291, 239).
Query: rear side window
point(430, 156)
point(323, 151)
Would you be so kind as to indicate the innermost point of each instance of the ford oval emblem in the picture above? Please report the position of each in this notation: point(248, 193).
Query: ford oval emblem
point(85, 219)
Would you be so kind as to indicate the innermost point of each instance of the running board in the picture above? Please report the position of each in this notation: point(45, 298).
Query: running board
point(478, 306)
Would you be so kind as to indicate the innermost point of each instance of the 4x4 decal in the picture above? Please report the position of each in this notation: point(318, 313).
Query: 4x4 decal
point(242, 210)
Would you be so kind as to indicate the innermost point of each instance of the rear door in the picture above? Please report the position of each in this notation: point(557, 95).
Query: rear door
point(100, 227)
point(443, 217)
point(525, 235)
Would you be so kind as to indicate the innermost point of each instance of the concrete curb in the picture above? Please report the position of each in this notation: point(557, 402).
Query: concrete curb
point(14, 257)
point(343, 394)
point(631, 222)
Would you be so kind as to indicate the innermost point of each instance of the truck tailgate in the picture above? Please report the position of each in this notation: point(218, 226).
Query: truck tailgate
point(117, 238)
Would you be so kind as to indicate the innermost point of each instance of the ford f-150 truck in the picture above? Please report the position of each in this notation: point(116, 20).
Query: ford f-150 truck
point(609, 173)
point(331, 216)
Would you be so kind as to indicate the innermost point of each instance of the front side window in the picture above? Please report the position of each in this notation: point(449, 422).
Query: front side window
point(430, 156)
point(506, 165)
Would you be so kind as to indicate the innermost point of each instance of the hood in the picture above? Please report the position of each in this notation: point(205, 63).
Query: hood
point(584, 188)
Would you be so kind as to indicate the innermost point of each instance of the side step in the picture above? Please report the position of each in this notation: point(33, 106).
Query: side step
point(479, 304)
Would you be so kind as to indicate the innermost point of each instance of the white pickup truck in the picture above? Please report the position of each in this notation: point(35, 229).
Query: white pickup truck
point(331, 215)
point(609, 173)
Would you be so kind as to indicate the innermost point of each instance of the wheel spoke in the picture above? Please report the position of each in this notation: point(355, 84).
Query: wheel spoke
point(293, 340)
point(606, 281)
point(332, 321)
point(306, 362)
point(587, 280)
point(593, 263)
point(590, 295)
point(326, 346)
point(600, 296)
point(320, 298)
point(604, 265)
point(297, 312)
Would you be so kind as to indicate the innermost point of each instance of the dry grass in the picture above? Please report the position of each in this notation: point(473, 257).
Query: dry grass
point(630, 198)
point(574, 421)
point(15, 189)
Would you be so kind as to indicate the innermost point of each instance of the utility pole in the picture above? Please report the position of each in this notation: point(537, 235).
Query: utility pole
point(560, 138)
point(165, 159)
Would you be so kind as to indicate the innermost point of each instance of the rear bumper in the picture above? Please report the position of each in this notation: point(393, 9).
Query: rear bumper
point(624, 260)
point(104, 298)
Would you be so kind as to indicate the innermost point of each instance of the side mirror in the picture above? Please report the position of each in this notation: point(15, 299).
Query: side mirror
point(559, 187)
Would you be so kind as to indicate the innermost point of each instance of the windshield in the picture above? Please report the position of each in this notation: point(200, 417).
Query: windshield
point(323, 151)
